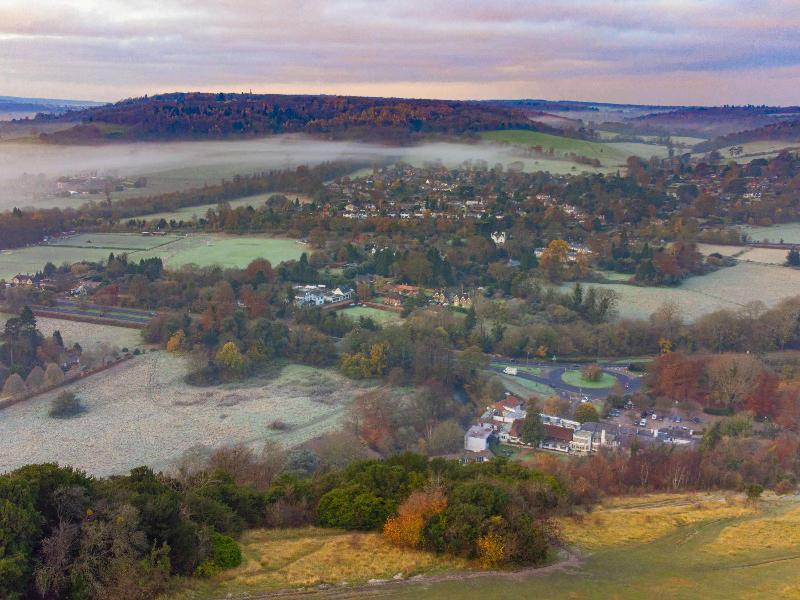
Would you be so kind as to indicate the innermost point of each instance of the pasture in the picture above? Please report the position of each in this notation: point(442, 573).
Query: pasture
point(680, 547)
point(200, 249)
point(142, 412)
point(730, 288)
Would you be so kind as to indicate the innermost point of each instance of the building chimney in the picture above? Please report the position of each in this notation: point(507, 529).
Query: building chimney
point(602, 437)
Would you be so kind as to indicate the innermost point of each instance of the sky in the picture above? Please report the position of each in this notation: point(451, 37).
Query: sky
point(636, 51)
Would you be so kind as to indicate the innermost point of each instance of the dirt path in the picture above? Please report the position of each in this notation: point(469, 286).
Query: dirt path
point(570, 560)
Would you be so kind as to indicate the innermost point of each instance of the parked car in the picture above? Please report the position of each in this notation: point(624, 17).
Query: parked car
point(642, 422)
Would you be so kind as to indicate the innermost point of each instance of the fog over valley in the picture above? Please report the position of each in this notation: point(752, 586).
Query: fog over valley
point(28, 170)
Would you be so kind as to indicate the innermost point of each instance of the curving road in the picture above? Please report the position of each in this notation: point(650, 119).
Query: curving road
point(551, 376)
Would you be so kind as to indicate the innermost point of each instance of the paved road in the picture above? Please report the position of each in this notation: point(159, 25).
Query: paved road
point(551, 376)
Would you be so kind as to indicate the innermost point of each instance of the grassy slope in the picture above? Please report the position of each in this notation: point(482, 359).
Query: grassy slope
point(680, 546)
point(677, 547)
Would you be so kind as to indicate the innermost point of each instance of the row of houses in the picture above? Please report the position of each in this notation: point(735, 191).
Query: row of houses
point(319, 295)
point(503, 421)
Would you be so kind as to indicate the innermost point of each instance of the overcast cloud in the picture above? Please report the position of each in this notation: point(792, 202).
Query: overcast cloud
point(703, 52)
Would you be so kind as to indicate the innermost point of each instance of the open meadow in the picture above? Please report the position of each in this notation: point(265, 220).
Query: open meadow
point(729, 287)
point(200, 249)
point(141, 412)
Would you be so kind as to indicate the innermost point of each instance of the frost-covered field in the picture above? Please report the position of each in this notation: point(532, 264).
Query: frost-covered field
point(770, 256)
point(88, 335)
point(142, 413)
point(787, 232)
point(730, 287)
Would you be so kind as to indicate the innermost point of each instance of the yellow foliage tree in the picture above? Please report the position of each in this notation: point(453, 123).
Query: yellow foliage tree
point(554, 259)
point(491, 550)
point(405, 528)
point(230, 358)
point(175, 342)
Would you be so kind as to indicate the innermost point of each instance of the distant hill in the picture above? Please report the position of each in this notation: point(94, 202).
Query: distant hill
point(786, 131)
point(710, 122)
point(15, 104)
point(189, 116)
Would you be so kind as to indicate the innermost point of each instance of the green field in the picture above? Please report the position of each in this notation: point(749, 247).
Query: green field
point(382, 317)
point(609, 154)
point(200, 249)
point(132, 242)
point(229, 251)
point(577, 379)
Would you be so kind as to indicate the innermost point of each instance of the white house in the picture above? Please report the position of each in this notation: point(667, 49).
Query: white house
point(499, 237)
point(477, 437)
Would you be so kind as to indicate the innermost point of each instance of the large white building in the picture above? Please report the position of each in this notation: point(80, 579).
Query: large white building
point(477, 437)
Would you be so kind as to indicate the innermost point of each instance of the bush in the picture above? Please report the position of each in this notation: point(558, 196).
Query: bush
point(65, 405)
point(225, 551)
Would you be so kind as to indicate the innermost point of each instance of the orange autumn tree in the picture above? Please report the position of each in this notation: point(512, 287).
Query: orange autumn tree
point(405, 528)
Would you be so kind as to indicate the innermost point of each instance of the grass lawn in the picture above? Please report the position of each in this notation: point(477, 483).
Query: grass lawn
point(576, 378)
point(383, 317)
point(281, 559)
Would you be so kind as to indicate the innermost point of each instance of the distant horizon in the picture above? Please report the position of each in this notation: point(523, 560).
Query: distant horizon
point(652, 52)
point(443, 99)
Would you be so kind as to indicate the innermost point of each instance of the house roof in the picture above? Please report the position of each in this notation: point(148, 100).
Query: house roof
point(481, 431)
point(510, 401)
point(562, 434)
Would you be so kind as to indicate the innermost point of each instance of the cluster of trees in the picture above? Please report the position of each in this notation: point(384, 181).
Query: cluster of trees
point(219, 116)
point(725, 383)
point(731, 456)
point(28, 359)
point(67, 535)
point(653, 265)
point(496, 512)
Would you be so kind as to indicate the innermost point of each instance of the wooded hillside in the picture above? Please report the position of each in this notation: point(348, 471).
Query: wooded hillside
point(221, 116)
